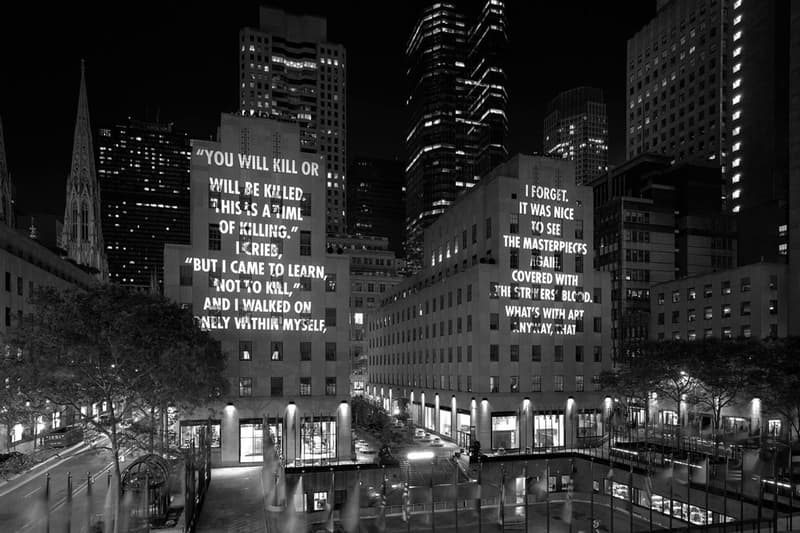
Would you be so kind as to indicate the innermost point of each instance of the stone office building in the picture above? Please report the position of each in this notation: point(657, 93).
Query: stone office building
point(502, 336)
point(258, 277)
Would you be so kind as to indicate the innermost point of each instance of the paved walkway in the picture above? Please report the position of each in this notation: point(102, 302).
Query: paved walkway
point(234, 503)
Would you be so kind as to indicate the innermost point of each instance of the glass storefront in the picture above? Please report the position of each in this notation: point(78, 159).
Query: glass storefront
point(445, 422)
point(589, 424)
point(669, 418)
point(548, 430)
point(504, 431)
point(318, 439)
point(464, 427)
point(694, 514)
point(190, 431)
point(251, 441)
point(429, 419)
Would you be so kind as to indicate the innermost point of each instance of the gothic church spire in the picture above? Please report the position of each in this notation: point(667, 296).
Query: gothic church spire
point(82, 236)
point(6, 198)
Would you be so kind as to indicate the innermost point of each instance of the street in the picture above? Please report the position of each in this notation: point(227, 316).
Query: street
point(22, 501)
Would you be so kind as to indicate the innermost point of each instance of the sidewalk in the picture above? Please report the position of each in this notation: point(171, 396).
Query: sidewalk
point(234, 502)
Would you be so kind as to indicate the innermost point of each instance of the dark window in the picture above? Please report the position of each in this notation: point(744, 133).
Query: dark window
point(245, 350)
point(305, 243)
point(598, 354)
point(330, 317)
point(214, 237)
point(330, 351)
point(494, 352)
point(598, 324)
point(494, 320)
point(185, 274)
point(305, 205)
point(514, 352)
point(276, 387)
point(488, 227)
point(536, 353)
point(305, 351)
point(558, 354)
point(8, 281)
point(579, 354)
point(513, 223)
point(19, 285)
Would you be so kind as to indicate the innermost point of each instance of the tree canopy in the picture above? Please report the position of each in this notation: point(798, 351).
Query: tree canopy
point(110, 357)
point(713, 374)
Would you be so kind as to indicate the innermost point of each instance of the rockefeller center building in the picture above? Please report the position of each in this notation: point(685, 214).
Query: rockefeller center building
point(502, 336)
point(258, 277)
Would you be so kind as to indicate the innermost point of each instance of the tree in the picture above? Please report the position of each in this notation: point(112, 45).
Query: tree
point(111, 357)
point(672, 361)
point(633, 382)
point(777, 382)
point(723, 370)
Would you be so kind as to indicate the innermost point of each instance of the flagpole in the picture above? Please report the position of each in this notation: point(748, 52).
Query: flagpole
point(455, 485)
point(525, 497)
point(547, 494)
point(611, 491)
point(671, 489)
point(591, 490)
point(630, 496)
point(725, 495)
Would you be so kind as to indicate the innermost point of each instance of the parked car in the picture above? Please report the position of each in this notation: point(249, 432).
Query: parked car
point(63, 437)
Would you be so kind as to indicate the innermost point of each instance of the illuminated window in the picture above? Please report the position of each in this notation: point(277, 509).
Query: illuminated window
point(536, 383)
point(737, 67)
point(305, 386)
point(736, 194)
point(737, 99)
point(737, 35)
point(736, 20)
point(276, 349)
point(558, 383)
point(245, 350)
point(245, 387)
point(330, 283)
point(494, 383)
point(330, 386)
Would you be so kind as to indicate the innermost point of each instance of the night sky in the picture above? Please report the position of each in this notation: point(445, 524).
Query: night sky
point(181, 61)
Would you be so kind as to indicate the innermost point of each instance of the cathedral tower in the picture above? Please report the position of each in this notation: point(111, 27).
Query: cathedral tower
point(6, 199)
point(82, 237)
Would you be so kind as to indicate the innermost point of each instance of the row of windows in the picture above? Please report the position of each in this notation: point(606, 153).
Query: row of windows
point(430, 306)
point(725, 288)
point(496, 385)
point(276, 386)
point(745, 331)
point(276, 351)
point(745, 309)
point(513, 354)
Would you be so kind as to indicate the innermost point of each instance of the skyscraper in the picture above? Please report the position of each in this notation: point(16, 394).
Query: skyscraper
point(82, 236)
point(143, 170)
point(376, 200)
point(289, 71)
point(457, 107)
point(576, 128)
point(708, 79)
point(6, 199)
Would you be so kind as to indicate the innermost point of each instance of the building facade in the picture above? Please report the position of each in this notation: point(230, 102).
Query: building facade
point(27, 266)
point(654, 222)
point(83, 233)
point(376, 200)
point(709, 79)
point(576, 128)
point(374, 270)
point(289, 71)
point(258, 277)
point(457, 105)
point(744, 302)
point(502, 336)
point(143, 170)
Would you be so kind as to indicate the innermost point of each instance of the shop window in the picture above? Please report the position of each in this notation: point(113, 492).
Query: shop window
point(245, 387)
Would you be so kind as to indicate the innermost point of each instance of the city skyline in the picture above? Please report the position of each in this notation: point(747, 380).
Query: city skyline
point(194, 88)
